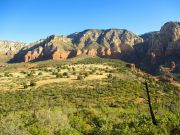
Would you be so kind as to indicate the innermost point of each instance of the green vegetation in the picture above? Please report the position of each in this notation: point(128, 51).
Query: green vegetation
point(80, 77)
point(112, 102)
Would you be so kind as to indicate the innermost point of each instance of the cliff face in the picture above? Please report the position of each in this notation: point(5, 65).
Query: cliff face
point(110, 43)
point(9, 48)
point(165, 42)
point(117, 40)
point(45, 49)
point(151, 48)
point(161, 47)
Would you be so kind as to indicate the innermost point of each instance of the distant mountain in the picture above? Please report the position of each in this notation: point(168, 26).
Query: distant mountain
point(162, 47)
point(9, 48)
point(147, 51)
point(113, 43)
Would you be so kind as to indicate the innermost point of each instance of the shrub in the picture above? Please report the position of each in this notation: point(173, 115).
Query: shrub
point(65, 74)
point(59, 76)
point(30, 74)
point(6, 74)
point(86, 74)
point(33, 72)
point(109, 76)
point(32, 83)
point(40, 73)
point(54, 73)
point(80, 77)
point(25, 85)
point(73, 68)
point(74, 73)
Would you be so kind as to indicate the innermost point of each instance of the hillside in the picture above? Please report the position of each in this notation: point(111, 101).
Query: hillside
point(9, 48)
point(84, 95)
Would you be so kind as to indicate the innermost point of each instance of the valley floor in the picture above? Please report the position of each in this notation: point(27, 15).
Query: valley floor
point(84, 96)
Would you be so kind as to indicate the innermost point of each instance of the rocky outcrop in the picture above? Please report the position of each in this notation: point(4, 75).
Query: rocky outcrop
point(78, 52)
point(172, 66)
point(47, 49)
point(146, 51)
point(106, 40)
point(103, 43)
point(92, 52)
point(57, 55)
point(159, 48)
point(9, 48)
point(166, 42)
point(132, 67)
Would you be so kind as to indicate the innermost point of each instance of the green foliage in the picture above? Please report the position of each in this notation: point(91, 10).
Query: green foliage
point(65, 74)
point(32, 83)
point(40, 73)
point(109, 76)
point(80, 77)
point(95, 107)
point(7, 74)
point(59, 76)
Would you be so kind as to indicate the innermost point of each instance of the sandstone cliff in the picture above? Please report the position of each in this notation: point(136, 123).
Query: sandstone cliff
point(110, 43)
point(161, 47)
point(150, 49)
point(9, 48)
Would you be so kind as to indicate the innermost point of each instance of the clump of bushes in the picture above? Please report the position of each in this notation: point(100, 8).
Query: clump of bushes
point(59, 76)
point(109, 76)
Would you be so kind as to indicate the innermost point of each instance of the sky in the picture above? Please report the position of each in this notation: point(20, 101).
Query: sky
point(31, 20)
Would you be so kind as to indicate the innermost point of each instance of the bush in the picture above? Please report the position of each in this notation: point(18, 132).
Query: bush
point(65, 74)
point(30, 74)
point(59, 70)
point(74, 73)
point(59, 76)
point(109, 76)
point(54, 73)
point(6, 74)
point(86, 74)
point(32, 83)
point(40, 73)
point(73, 68)
point(80, 77)
point(25, 86)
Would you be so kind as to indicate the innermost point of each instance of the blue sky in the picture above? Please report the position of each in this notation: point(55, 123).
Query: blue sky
point(30, 20)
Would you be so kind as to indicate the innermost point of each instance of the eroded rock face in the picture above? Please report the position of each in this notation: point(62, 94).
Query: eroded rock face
point(116, 39)
point(172, 66)
point(57, 55)
point(9, 48)
point(37, 53)
point(132, 67)
point(152, 58)
point(78, 52)
point(111, 43)
point(92, 52)
point(166, 42)
point(102, 43)
point(28, 56)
